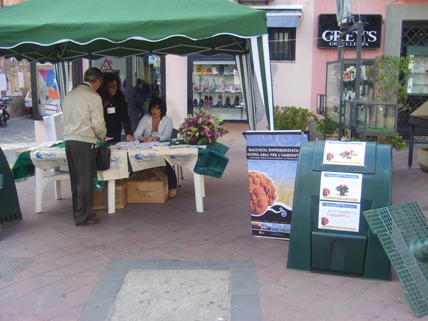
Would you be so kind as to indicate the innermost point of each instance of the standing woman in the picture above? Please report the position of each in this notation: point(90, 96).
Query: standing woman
point(157, 126)
point(115, 108)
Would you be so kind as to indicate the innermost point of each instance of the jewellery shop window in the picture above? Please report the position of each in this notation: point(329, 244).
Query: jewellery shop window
point(216, 87)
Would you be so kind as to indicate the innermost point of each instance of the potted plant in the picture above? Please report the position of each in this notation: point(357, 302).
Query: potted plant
point(293, 118)
point(395, 141)
point(327, 126)
point(392, 74)
point(201, 128)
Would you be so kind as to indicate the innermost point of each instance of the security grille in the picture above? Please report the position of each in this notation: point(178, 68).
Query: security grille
point(414, 33)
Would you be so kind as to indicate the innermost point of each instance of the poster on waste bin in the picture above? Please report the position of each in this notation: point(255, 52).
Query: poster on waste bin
point(272, 158)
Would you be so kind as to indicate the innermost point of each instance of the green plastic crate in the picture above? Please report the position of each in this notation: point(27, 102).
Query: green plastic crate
point(396, 227)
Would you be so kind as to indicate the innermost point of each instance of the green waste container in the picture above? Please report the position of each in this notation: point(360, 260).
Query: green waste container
point(335, 183)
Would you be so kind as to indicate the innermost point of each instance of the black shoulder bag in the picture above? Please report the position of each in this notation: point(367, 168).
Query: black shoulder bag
point(102, 161)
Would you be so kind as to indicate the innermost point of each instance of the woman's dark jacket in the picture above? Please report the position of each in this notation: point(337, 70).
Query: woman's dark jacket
point(115, 117)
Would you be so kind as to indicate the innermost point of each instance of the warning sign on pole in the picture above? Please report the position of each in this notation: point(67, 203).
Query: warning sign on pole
point(106, 66)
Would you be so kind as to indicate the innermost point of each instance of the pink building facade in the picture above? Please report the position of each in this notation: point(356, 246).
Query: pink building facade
point(393, 14)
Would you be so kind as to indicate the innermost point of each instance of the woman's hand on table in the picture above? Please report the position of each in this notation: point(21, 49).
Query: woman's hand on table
point(149, 139)
point(130, 138)
point(153, 139)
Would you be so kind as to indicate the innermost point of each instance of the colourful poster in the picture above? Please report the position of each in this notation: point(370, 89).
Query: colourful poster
point(272, 165)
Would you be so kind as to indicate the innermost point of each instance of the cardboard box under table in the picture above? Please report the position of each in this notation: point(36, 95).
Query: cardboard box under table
point(101, 199)
point(148, 186)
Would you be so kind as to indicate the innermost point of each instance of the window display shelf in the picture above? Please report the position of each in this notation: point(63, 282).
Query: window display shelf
point(418, 82)
point(341, 82)
point(216, 86)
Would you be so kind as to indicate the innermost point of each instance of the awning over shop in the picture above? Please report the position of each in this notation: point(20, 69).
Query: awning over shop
point(283, 18)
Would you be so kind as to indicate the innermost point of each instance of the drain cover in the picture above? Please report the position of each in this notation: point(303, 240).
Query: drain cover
point(10, 267)
point(397, 227)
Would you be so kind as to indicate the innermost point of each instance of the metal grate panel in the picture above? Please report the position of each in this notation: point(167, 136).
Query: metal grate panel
point(396, 226)
point(11, 266)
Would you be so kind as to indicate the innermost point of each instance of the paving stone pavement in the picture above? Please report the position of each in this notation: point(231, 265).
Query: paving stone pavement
point(66, 264)
point(17, 135)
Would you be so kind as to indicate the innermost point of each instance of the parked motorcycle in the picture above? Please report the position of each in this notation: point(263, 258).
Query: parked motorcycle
point(4, 111)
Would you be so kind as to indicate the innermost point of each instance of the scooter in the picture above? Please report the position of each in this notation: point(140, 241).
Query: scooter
point(4, 112)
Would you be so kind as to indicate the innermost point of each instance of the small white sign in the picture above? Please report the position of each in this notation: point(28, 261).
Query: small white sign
point(344, 187)
point(339, 216)
point(344, 153)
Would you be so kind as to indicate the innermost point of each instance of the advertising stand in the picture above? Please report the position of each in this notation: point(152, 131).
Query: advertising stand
point(336, 181)
point(272, 162)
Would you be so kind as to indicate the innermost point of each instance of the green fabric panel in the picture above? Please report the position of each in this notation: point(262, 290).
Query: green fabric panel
point(23, 166)
point(218, 148)
point(210, 163)
point(9, 209)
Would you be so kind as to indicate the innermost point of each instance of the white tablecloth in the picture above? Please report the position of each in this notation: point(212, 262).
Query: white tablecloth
point(46, 158)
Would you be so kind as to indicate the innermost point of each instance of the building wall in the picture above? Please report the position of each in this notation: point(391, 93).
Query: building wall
point(176, 88)
point(396, 14)
point(290, 78)
point(415, 10)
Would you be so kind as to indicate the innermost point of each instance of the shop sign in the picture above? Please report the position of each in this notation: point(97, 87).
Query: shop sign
point(329, 32)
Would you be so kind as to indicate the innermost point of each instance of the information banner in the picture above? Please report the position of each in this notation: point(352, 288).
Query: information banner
point(272, 165)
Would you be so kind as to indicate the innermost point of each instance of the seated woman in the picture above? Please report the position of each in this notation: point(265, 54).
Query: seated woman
point(157, 126)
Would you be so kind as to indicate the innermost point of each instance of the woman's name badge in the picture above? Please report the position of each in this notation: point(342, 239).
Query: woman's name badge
point(111, 110)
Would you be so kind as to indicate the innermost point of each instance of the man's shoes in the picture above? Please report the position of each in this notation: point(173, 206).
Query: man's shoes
point(90, 221)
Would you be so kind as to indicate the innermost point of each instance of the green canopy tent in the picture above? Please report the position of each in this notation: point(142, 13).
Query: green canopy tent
point(65, 30)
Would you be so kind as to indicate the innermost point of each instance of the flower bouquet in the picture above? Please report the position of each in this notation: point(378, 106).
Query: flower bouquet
point(201, 128)
point(342, 189)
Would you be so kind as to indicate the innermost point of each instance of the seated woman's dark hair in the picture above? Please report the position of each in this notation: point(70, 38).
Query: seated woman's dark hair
point(158, 102)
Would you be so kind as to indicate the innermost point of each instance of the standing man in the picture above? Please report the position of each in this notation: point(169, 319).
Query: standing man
point(83, 124)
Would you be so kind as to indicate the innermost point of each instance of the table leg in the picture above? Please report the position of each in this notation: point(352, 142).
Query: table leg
point(39, 173)
point(199, 192)
point(411, 140)
point(111, 196)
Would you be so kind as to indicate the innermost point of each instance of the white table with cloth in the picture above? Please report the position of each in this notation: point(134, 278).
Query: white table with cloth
point(46, 160)
point(145, 158)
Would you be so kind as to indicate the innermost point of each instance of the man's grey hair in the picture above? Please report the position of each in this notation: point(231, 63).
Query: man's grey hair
point(93, 74)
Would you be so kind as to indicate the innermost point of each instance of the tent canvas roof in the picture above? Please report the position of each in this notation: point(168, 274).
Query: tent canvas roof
point(65, 30)
point(46, 30)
